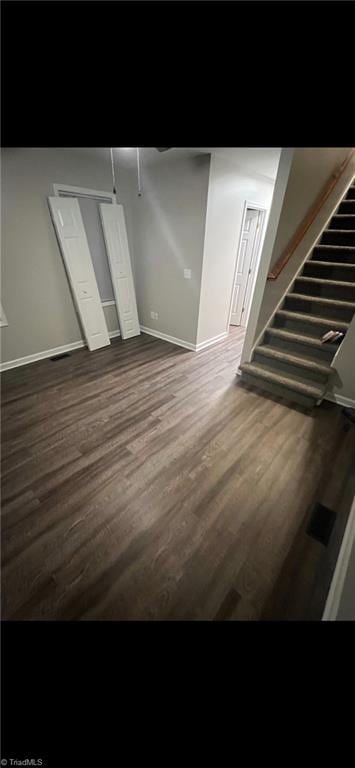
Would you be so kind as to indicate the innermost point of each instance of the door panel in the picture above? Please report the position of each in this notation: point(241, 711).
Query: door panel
point(115, 234)
point(244, 265)
point(77, 259)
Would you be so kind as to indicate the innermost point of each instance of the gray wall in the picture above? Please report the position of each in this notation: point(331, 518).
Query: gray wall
point(90, 212)
point(35, 290)
point(309, 172)
point(168, 238)
point(230, 186)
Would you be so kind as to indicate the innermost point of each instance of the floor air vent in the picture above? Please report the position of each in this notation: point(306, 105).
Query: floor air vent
point(321, 524)
point(59, 357)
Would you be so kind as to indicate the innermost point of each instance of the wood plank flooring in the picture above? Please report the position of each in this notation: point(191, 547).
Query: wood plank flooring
point(145, 482)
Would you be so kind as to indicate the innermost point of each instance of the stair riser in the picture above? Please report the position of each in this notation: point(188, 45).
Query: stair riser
point(338, 292)
point(328, 273)
point(318, 309)
point(338, 238)
point(281, 367)
point(344, 222)
point(323, 354)
point(348, 207)
point(312, 329)
point(323, 254)
point(278, 391)
point(351, 194)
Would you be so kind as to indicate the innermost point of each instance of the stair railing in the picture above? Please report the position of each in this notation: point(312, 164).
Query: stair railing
point(309, 218)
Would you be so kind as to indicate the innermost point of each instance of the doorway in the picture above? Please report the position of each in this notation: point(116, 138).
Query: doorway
point(91, 233)
point(246, 264)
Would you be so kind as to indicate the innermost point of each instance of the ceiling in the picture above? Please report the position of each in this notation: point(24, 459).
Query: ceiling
point(260, 161)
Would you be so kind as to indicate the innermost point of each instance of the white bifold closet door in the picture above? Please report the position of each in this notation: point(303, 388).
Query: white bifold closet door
point(115, 234)
point(77, 259)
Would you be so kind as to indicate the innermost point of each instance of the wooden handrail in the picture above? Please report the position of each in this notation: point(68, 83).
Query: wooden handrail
point(309, 218)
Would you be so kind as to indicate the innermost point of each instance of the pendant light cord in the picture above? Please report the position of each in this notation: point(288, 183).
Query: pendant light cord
point(113, 172)
point(139, 174)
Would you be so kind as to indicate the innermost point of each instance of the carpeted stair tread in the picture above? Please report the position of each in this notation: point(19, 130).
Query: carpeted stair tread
point(326, 281)
point(304, 387)
point(314, 319)
point(336, 247)
point(299, 338)
point(292, 359)
point(332, 264)
point(321, 300)
point(340, 231)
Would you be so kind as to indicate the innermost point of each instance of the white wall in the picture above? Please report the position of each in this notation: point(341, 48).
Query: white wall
point(343, 385)
point(229, 187)
point(346, 610)
point(35, 290)
point(340, 605)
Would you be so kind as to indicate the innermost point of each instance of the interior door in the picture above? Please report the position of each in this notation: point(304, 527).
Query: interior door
point(244, 265)
point(114, 227)
point(77, 259)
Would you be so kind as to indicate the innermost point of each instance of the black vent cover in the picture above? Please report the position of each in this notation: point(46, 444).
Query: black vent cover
point(59, 357)
point(321, 523)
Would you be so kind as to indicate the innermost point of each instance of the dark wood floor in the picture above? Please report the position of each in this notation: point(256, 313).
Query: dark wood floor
point(143, 481)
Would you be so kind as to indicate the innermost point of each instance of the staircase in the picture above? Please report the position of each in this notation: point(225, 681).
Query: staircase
point(291, 361)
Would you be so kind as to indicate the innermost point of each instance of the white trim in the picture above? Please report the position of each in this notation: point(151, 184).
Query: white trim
point(294, 278)
point(347, 402)
point(41, 355)
point(209, 342)
point(112, 335)
point(257, 248)
point(49, 353)
point(182, 342)
point(83, 192)
point(337, 585)
point(110, 303)
point(165, 337)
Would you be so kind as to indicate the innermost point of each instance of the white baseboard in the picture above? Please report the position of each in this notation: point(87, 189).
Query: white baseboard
point(112, 335)
point(182, 342)
point(346, 402)
point(337, 585)
point(165, 337)
point(209, 342)
point(49, 353)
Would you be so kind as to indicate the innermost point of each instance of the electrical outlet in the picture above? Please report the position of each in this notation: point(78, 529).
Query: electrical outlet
point(187, 274)
point(154, 315)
